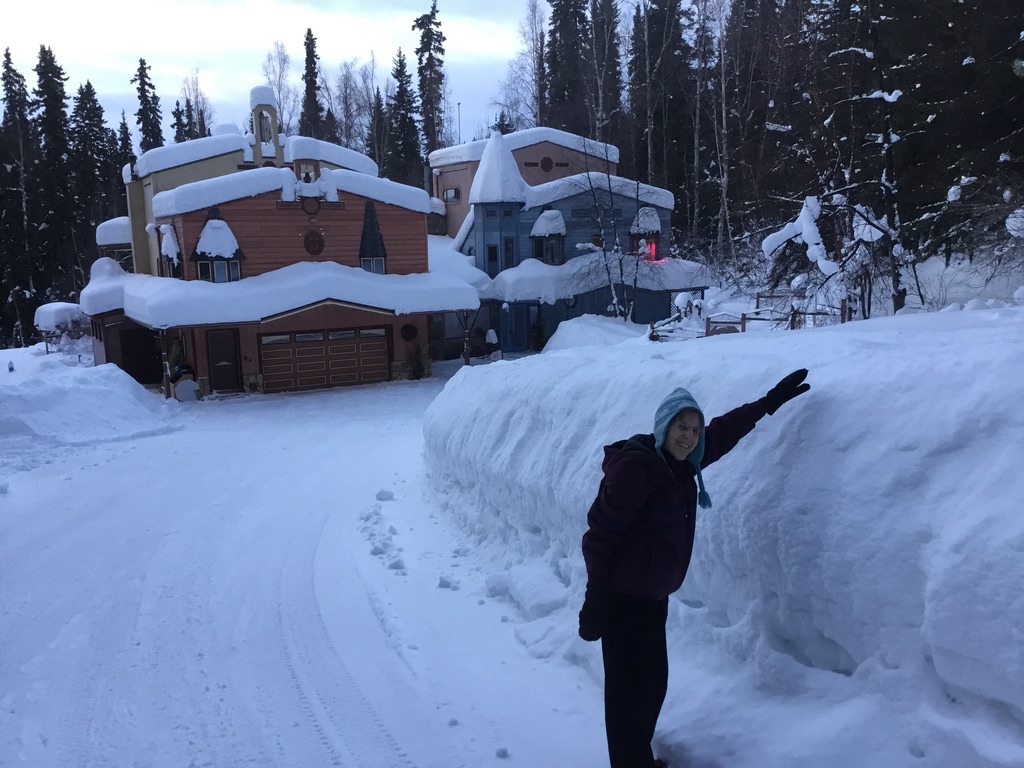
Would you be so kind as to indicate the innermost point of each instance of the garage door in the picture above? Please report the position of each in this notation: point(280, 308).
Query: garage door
point(329, 358)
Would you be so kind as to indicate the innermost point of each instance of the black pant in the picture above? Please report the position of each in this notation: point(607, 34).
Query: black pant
point(635, 677)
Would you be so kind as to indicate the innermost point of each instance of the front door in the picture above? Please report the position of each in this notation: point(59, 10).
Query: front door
point(222, 349)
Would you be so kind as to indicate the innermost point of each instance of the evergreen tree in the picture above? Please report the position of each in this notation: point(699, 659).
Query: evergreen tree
point(404, 161)
point(377, 133)
point(93, 176)
point(125, 153)
point(503, 123)
point(18, 146)
point(311, 118)
point(430, 70)
point(148, 117)
point(55, 260)
point(178, 123)
point(568, 47)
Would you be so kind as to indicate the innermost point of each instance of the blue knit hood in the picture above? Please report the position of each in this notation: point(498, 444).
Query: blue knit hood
point(678, 400)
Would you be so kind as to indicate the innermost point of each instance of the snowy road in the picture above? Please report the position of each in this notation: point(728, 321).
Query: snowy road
point(267, 583)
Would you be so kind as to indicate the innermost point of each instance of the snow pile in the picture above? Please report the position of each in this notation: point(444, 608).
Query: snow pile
point(860, 569)
point(593, 330)
point(70, 405)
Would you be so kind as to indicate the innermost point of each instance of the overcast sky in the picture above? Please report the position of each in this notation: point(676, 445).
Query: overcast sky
point(228, 40)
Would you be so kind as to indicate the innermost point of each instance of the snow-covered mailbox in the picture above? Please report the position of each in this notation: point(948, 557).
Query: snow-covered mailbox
point(268, 265)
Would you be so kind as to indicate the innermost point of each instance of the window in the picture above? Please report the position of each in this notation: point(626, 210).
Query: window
point(374, 264)
point(491, 214)
point(510, 252)
point(309, 336)
point(492, 261)
point(218, 271)
point(276, 338)
point(507, 213)
point(340, 335)
point(546, 164)
point(549, 249)
point(451, 195)
point(650, 240)
point(365, 333)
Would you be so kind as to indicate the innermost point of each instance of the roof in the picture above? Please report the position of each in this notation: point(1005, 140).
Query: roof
point(497, 180)
point(199, 195)
point(192, 151)
point(533, 280)
point(166, 302)
point(474, 150)
point(305, 148)
point(295, 148)
point(114, 232)
point(559, 189)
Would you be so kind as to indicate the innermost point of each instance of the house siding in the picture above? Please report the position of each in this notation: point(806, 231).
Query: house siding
point(272, 235)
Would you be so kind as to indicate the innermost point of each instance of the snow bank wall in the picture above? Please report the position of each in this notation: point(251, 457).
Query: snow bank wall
point(877, 517)
point(70, 405)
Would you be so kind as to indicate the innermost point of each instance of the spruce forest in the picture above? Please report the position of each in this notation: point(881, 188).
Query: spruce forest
point(900, 122)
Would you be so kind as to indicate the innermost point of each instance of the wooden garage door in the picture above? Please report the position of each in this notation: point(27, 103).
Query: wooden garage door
point(329, 358)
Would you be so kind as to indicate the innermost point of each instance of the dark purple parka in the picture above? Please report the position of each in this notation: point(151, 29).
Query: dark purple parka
point(643, 519)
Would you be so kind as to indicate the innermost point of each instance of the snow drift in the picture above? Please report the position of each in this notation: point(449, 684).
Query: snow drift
point(864, 550)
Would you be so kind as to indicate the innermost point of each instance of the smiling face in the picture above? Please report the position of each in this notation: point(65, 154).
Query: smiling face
point(683, 433)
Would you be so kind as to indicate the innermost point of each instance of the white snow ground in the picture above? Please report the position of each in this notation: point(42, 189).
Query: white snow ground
point(389, 575)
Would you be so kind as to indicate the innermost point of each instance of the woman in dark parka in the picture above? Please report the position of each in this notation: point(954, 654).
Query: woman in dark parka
point(637, 550)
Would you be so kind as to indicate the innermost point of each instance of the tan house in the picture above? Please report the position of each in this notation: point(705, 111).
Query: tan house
point(269, 263)
point(541, 155)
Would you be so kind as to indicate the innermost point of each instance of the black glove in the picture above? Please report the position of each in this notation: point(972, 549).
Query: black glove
point(594, 613)
point(786, 390)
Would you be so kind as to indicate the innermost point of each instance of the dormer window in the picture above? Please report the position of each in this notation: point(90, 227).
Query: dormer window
point(217, 256)
point(372, 253)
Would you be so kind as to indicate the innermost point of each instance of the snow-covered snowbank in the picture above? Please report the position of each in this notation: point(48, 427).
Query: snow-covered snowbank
point(861, 566)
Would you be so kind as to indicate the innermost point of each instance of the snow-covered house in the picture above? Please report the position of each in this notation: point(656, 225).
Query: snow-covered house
point(559, 249)
point(540, 154)
point(269, 263)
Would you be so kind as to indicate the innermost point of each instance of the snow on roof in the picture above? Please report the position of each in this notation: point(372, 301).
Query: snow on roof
point(333, 181)
point(559, 189)
point(165, 302)
point(222, 189)
point(114, 231)
point(646, 222)
point(194, 150)
point(474, 150)
point(445, 259)
point(262, 95)
point(464, 231)
point(59, 316)
point(533, 280)
point(126, 173)
point(551, 223)
point(305, 148)
point(169, 247)
point(209, 192)
point(217, 241)
point(497, 180)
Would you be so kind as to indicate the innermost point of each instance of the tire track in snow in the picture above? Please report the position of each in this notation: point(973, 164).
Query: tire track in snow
point(347, 727)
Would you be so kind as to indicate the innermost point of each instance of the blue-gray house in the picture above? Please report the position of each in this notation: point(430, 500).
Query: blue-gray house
point(591, 243)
